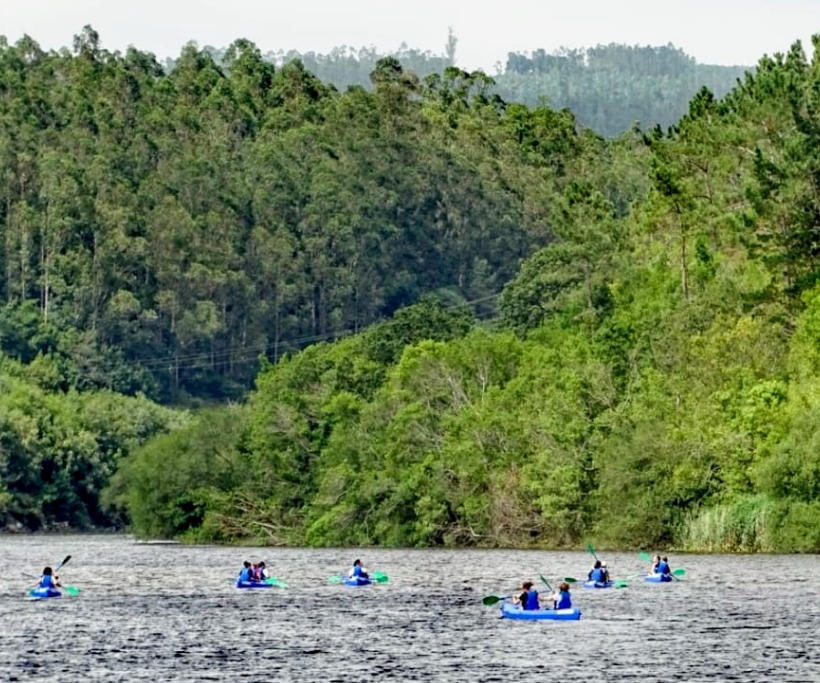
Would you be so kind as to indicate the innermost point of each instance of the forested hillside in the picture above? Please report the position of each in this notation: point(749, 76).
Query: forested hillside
point(609, 88)
point(655, 379)
point(607, 340)
point(161, 232)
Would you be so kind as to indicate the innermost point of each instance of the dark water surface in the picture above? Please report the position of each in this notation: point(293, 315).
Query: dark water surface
point(170, 613)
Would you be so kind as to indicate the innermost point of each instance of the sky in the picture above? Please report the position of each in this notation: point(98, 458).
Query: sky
point(713, 31)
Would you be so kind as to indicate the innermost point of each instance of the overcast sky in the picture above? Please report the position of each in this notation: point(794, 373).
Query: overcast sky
point(713, 31)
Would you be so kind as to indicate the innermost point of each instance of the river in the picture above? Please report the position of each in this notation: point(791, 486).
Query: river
point(170, 613)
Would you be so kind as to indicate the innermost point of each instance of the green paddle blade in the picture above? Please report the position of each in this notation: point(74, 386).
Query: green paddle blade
point(541, 576)
point(71, 590)
point(379, 577)
point(569, 579)
point(336, 579)
point(679, 572)
point(493, 599)
point(592, 550)
point(645, 557)
point(273, 581)
point(621, 584)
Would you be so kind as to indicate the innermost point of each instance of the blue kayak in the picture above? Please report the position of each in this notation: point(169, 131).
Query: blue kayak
point(357, 581)
point(510, 611)
point(44, 593)
point(253, 584)
point(598, 584)
point(658, 578)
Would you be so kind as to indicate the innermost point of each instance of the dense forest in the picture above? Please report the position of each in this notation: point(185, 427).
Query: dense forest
point(609, 88)
point(523, 334)
point(162, 232)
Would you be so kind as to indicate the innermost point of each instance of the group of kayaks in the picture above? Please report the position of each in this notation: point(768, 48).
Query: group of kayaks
point(515, 610)
point(254, 576)
point(49, 588)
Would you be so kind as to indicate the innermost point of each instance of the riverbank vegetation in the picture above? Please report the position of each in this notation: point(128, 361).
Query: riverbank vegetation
point(613, 341)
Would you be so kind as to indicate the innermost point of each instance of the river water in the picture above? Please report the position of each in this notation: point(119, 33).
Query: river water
point(170, 613)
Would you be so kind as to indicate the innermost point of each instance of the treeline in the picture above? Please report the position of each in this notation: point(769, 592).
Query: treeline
point(58, 449)
point(609, 88)
point(654, 381)
point(162, 232)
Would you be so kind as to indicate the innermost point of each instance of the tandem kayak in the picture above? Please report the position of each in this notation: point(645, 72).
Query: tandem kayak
point(658, 578)
point(253, 584)
point(44, 593)
point(598, 584)
point(357, 581)
point(511, 611)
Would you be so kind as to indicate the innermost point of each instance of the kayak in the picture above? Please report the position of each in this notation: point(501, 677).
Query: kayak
point(598, 584)
point(44, 593)
point(510, 611)
point(357, 581)
point(658, 578)
point(253, 584)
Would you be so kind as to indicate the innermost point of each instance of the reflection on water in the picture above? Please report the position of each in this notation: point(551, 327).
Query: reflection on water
point(170, 613)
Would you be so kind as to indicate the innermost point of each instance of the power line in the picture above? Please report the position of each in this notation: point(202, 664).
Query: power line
point(207, 358)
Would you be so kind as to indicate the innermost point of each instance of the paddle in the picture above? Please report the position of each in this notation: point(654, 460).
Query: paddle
point(63, 563)
point(645, 557)
point(278, 583)
point(617, 584)
point(592, 550)
point(494, 599)
point(541, 576)
point(378, 577)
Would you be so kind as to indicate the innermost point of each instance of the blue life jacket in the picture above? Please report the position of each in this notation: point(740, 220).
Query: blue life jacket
point(564, 601)
point(359, 572)
point(663, 568)
point(532, 600)
point(246, 574)
point(47, 581)
point(598, 575)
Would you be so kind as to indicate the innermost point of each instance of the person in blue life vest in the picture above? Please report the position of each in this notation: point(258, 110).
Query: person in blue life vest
point(607, 579)
point(663, 567)
point(246, 574)
point(358, 571)
point(261, 572)
point(48, 579)
point(655, 564)
point(561, 599)
point(598, 573)
point(528, 598)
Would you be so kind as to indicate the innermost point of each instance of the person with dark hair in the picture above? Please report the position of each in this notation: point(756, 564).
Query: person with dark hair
point(597, 573)
point(246, 574)
point(528, 598)
point(358, 571)
point(663, 567)
point(561, 599)
point(48, 580)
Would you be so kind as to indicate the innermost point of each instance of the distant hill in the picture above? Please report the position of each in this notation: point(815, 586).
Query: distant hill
point(609, 87)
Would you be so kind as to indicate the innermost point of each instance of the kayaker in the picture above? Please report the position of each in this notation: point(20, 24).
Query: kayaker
point(606, 572)
point(561, 599)
point(597, 573)
point(48, 580)
point(528, 599)
point(358, 571)
point(655, 564)
point(261, 573)
point(247, 572)
point(663, 566)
